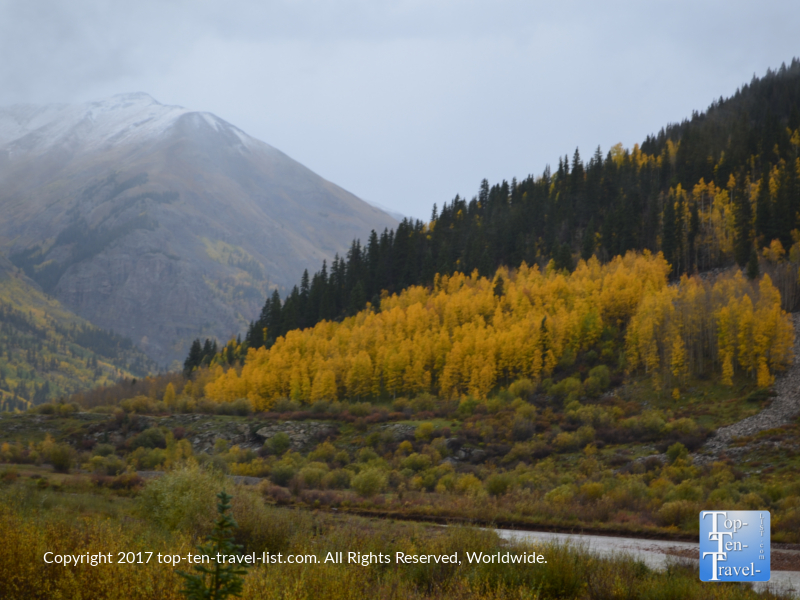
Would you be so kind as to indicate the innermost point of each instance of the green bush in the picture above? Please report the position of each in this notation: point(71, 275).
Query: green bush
point(423, 403)
point(240, 407)
point(498, 484)
point(360, 409)
point(416, 462)
point(181, 500)
point(107, 465)
point(311, 475)
point(369, 482)
point(677, 513)
point(424, 431)
point(147, 460)
point(282, 474)
point(469, 485)
point(60, 456)
point(366, 455)
point(570, 385)
point(338, 479)
point(149, 438)
point(676, 451)
point(602, 375)
point(522, 388)
point(103, 450)
point(279, 443)
point(324, 452)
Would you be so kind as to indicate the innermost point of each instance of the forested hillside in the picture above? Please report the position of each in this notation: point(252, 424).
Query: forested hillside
point(467, 335)
point(706, 192)
point(47, 352)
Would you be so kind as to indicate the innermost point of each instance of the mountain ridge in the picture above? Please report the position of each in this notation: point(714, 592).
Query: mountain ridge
point(114, 207)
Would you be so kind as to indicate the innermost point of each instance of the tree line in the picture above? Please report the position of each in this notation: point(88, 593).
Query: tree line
point(707, 192)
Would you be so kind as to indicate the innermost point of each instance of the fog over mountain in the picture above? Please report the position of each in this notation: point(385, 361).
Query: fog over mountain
point(161, 223)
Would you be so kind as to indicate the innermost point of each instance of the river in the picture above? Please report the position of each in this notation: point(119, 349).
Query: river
point(654, 553)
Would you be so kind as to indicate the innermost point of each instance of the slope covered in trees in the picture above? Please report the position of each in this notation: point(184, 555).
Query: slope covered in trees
point(47, 352)
point(469, 334)
point(706, 192)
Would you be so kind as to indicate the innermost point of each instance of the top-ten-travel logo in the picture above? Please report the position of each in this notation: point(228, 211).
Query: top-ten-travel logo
point(734, 545)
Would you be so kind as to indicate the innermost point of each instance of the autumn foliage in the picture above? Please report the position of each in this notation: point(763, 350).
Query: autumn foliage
point(468, 334)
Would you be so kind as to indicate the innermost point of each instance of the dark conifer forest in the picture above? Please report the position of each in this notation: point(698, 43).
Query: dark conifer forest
point(707, 192)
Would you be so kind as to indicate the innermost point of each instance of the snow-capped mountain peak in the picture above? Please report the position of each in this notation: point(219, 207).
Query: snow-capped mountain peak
point(120, 119)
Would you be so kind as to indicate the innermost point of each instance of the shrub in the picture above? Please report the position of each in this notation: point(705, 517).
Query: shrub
point(103, 450)
point(240, 407)
point(139, 404)
point(338, 479)
point(323, 452)
point(677, 513)
point(181, 500)
point(366, 455)
point(360, 409)
point(416, 462)
point(498, 484)
point(561, 495)
point(682, 426)
point(424, 431)
point(312, 474)
point(592, 490)
point(342, 458)
point(279, 443)
point(601, 375)
point(369, 482)
point(522, 388)
point(261, 527)
point(469, 485)
point(149, 438)
point(107, 465)
point(60, 456)
point(144, 459)
point(282, 474)
point(686, 491)
point(423, 403)
point(676, 451)
point(566, 387)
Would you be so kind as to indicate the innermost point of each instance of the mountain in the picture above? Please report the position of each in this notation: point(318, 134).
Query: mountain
point(160, 223)
point(48, 352)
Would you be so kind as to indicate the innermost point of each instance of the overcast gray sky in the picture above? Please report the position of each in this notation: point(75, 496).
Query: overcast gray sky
point(404, 103)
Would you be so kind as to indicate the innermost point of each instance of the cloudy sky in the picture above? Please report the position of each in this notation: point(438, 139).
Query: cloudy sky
point(404, 103)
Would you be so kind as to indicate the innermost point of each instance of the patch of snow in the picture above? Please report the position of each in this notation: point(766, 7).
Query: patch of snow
point(27, 129)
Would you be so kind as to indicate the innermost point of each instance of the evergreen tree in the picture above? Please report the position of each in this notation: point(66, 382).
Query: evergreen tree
point(221, 579)
point(669, 234)
point(194, 358)
point(743, 218)
point(752, 265)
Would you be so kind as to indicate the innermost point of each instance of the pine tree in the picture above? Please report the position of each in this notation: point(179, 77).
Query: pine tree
point(752, 265)
point(194, 358)
point(669, 234)
point(743, 218)
point(221, 579)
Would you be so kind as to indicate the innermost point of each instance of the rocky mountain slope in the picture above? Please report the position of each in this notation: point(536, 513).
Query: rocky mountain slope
point(781, 411)
point(47, 352)
point(160, 223)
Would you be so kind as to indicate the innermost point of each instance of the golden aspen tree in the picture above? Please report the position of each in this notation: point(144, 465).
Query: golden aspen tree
point(169, 395)
point(324, 386)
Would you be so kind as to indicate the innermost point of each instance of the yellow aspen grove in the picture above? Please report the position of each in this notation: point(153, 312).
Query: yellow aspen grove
point(459, 337)
point(359, 376)
point(695, 326)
